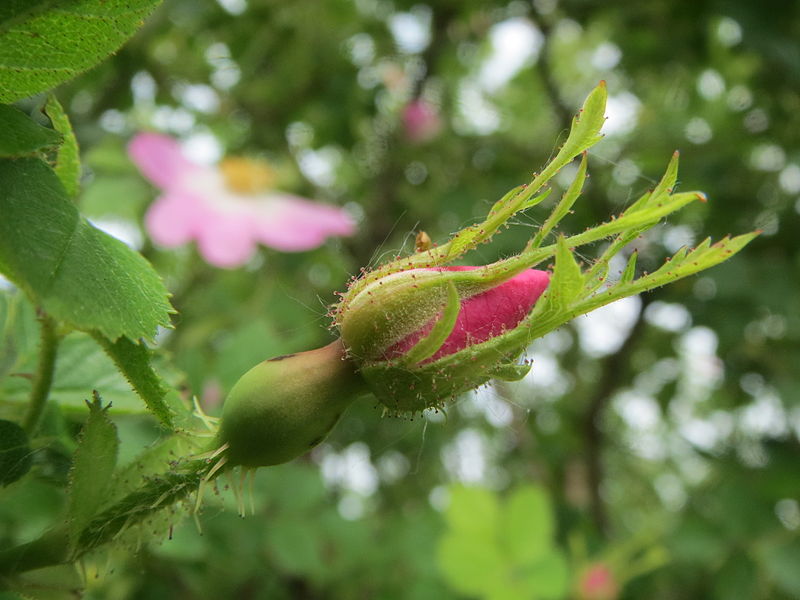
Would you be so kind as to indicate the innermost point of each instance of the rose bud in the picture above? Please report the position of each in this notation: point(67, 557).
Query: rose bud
point(416, 332)
point(423, 335)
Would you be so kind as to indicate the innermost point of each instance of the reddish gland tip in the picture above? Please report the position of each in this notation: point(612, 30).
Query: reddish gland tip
point(485, 315)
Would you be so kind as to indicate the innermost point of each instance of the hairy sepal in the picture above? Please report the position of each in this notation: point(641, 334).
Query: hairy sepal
point(573, 291)
point(584, 133)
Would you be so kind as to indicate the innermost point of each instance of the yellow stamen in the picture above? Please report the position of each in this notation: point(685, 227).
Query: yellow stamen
point(247, 175)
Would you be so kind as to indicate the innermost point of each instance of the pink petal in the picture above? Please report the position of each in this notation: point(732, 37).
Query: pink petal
point(226, 240)
point(294, 224)
point(160, 159)
point(485, 315)
point(421, 121)
point(170, 220)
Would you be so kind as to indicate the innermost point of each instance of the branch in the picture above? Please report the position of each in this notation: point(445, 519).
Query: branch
point(613, 365)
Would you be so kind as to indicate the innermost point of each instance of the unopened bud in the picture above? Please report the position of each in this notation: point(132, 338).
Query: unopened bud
point(423, 335)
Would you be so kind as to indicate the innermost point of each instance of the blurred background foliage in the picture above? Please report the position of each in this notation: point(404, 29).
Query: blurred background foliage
point(661, 433)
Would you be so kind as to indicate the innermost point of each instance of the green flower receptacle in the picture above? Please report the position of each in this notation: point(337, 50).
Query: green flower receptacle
point(283, 407)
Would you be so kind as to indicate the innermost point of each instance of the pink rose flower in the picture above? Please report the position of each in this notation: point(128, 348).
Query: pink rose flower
point(227, 211)
point(421, 121)
point(597, 582)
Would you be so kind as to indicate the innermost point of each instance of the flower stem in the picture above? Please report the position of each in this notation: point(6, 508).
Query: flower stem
point(612, 370)
point(48, 349)
point(53, 546)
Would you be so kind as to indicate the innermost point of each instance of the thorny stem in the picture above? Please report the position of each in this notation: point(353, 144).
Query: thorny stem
point(592, 419)
point(48, 349)
point(53, 547)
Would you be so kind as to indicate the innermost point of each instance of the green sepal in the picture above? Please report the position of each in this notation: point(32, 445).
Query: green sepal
point(566, 283)
point(564, 205)
point(428, 345)
point(386, 304)
point(683, 264)
point(585, 132)
point(630, 269)
point(535, 200)
point(390, 309)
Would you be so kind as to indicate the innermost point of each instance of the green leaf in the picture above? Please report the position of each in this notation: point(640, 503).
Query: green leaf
point(473, 512)
point(68, 162)
point(685, 262)
point(15, 453)
point(546, 579)
point(567, 279)
point(92, 469)
point(22, 136)
point(645, 217)
point(77, 273)
point(737, 579)
point(428, 345)
point(133, 361)
point(469, 565)
point(294, 546)
point(780, 561)
point(116, 194)
point(81, 367)
point(526, 525)
point(44, 43)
